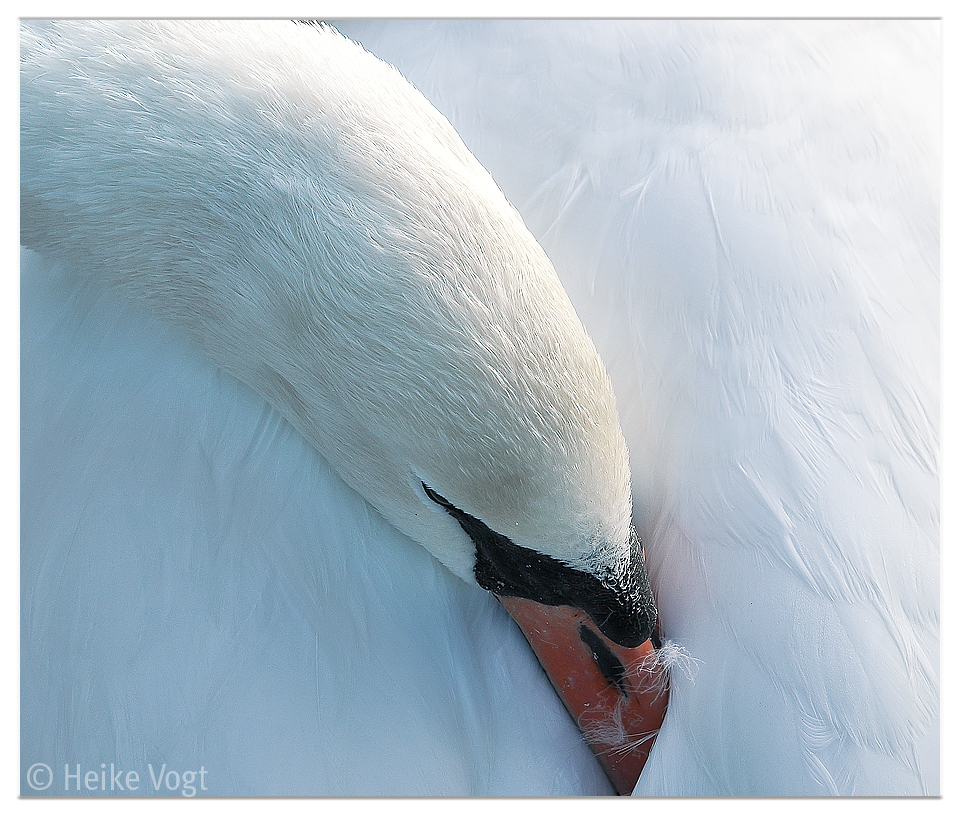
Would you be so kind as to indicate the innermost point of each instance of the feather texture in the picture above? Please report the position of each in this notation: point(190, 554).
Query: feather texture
point(745, 217)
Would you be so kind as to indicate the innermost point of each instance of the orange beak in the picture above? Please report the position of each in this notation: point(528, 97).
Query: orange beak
point(617, 696)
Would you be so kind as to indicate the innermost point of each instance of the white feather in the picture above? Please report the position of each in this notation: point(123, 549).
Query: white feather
point(325, 236)
point(746, 218)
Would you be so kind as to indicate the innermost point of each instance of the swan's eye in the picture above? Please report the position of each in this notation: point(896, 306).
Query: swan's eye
point(491, 549)
point(434, 496)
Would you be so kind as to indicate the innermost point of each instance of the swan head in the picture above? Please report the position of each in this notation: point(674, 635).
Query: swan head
point(341, 251)
point(490, 431)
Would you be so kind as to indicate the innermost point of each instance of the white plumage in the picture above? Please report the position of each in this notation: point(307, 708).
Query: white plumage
point(324, 235)
point(745, 217)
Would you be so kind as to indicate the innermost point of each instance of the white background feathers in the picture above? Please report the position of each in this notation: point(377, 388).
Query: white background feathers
point(745, 217)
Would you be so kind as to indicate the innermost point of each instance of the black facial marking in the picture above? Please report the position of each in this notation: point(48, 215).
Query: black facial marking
point(623, 609)
point(608, 663)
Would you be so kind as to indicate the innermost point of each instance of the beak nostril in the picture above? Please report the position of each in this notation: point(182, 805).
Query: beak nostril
point(609, 664)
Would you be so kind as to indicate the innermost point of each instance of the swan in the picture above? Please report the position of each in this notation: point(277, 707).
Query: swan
point(781, 423)
point(329, 241)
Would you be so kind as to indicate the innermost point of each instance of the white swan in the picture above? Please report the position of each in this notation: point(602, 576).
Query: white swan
point(723, 472)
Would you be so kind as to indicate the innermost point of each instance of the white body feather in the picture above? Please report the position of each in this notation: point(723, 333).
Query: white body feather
point(746, 217)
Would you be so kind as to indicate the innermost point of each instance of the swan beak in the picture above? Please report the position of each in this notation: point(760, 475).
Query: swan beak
point(617, 696)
